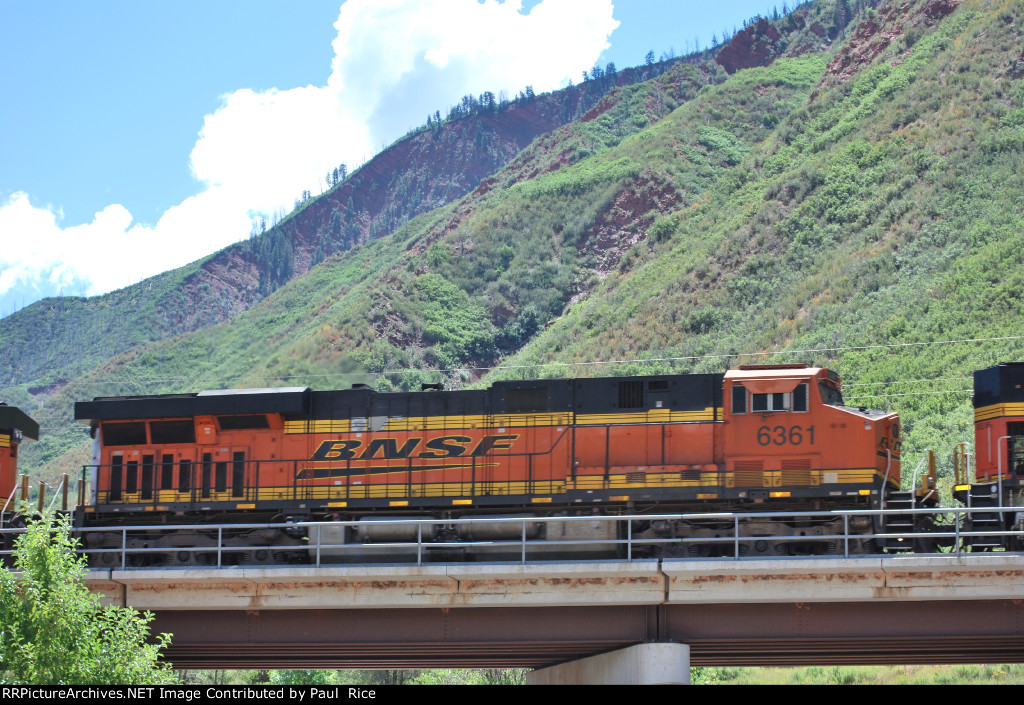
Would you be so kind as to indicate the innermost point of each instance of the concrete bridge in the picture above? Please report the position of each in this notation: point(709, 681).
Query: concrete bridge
point(622, 622)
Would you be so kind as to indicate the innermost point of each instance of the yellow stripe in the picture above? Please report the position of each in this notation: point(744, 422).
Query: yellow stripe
point(5, 440)
point(994, 411)
point(639, 479)
point(651, 416)
point(332, 426)
point(339, 495)
point(442, 423)
point(427, 423)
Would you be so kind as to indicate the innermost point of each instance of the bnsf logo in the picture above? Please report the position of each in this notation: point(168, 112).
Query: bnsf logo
point(388, 448)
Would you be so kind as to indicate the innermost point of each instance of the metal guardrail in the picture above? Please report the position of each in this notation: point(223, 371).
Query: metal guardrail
point(948, 538)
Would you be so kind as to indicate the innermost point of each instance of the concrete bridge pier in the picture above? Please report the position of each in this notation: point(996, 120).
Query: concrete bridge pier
point(643, 664)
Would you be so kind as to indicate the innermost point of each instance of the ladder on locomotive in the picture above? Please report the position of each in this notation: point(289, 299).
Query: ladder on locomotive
point(907, 526)
point(979, 495)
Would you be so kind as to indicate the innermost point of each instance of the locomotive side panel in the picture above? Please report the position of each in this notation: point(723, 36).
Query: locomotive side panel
point(647, 433)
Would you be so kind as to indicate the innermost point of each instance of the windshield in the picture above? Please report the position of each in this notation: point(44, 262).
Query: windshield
point(830, 395)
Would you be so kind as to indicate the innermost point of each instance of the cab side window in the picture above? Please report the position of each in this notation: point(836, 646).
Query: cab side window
point(739, 399)
point(780, 401)
point(800, 398)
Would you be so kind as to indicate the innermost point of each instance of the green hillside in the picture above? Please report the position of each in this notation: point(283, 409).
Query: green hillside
point(52, 341)
point(854, 204)
point(881, 217)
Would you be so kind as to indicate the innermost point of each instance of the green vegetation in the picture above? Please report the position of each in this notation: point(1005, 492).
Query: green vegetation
point(52, 629)
point(966, 674)
point(438, 676)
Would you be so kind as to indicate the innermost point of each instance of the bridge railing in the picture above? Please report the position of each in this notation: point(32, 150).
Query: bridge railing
point(529, 539)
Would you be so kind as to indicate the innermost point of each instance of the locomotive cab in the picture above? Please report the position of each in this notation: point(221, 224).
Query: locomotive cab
point(786, 429)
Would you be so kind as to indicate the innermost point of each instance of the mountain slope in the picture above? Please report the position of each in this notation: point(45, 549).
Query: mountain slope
point(880, 219)
point(426, 169)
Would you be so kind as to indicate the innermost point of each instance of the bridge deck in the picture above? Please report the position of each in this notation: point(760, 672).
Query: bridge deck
point(898, 609)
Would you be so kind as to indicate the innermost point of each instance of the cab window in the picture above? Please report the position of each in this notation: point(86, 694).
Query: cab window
point(830, 395)
point(739, 399)
point(780, 401)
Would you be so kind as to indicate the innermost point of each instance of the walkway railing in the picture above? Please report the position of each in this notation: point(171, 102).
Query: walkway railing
point(531, 539)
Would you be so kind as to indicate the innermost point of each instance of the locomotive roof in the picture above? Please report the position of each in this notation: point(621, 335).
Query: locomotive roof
point(773, 372)
point(218, 402)
point(684, 392)
point(260, 390)
point(12, 417)
point(999, 384)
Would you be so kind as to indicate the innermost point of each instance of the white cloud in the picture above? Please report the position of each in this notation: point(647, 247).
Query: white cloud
point(43, 258)
point(395, 62)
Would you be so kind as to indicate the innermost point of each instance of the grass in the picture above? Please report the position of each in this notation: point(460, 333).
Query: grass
point(960, 674)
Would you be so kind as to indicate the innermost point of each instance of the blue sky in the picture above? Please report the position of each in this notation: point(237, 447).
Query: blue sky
point(138, 136)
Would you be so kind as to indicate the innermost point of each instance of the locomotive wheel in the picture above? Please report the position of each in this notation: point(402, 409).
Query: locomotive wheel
point(261, 556)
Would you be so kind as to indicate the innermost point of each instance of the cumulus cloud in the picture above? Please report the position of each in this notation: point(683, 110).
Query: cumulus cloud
point(395, 62)
point(42, 258)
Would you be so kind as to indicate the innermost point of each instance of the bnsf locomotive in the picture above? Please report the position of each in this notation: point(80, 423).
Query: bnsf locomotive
point(777, 436)
point(765, 437)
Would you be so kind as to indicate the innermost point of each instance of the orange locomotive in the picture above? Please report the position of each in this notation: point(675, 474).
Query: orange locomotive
point(776, 436)
point(782, 433)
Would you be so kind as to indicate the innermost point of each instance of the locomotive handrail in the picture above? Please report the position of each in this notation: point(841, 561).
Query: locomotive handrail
point(885, 480)
point(999, 467)
point(928, 457)
point(60, 485)
point(961, 463)
point(10, 497)
point(314, 546)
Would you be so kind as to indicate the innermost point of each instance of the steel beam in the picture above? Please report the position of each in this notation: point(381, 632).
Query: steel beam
point(983, 631)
